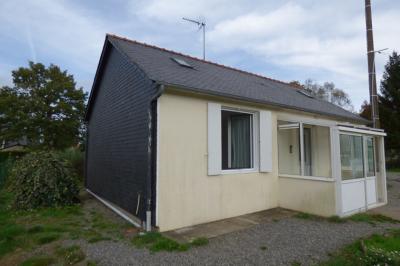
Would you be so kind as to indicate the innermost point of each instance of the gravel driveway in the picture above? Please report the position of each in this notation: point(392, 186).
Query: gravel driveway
point(286, 241)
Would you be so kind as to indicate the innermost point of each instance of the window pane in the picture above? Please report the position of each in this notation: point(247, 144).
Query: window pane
point(237, 140)
point(370, 156)
point(289, 148)
point(351, 155)
point(317, 151)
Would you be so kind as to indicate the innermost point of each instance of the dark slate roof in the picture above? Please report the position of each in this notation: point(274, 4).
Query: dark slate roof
point(211, 78)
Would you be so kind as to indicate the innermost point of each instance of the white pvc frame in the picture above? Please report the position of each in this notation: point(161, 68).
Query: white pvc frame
point(254, 141)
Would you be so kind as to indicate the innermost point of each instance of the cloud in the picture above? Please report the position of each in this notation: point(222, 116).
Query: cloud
point(323, 40)
point(286, 36)
point(310, 38)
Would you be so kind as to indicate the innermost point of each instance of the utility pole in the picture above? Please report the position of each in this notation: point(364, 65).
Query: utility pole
point(201, 24)
point(373, 95)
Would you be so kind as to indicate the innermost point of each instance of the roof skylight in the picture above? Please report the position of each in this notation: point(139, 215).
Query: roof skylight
point(306, 93)
point(181, 62)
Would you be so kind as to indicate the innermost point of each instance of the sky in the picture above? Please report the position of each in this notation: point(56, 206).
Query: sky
point(285, 40)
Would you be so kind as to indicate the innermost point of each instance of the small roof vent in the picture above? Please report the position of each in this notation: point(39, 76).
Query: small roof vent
point(181, 62)
point(306, 93)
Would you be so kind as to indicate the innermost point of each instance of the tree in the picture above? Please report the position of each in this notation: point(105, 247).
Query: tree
point(365, 111)
point(327, 92)
point(389, 103)
point(44, 106)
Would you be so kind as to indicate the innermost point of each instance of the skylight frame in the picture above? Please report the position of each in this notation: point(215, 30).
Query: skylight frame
point(305, 93)
point(181, 62)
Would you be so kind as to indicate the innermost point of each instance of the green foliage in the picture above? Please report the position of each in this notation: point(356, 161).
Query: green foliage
point(336, 219)
point(200, 241)
point(371, 218)
point(359, 217)
point(44, 106)
point(38, 261)
point(6, 163)
point(75, 157)
point(26, 230)
point(394, 170)
point(375, 250)
point(307, 216)
point(71, 255)
point(45, 238)
point(39, 179)
point(157, 242)
point(389, 107)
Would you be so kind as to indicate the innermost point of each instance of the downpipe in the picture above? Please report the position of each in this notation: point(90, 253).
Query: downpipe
point(149, 157)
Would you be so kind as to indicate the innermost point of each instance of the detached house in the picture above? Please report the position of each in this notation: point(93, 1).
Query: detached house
point(175, 141)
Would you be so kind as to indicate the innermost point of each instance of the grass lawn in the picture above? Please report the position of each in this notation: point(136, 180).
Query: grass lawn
point(394, 170)
point(35, 238)
point(375, 250)
point(23, 232)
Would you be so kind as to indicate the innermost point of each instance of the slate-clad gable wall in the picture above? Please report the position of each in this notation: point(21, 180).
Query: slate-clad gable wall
point(117, 161)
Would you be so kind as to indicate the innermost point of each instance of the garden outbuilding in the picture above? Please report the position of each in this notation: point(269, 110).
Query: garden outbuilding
point(174, 141)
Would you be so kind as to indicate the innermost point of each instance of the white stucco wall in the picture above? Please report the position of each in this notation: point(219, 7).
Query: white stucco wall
point(187, 196)
point(310, 196)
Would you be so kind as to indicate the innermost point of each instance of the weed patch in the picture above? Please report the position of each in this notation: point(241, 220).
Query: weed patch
point(38, 261)
point(45, 238)
point(336, 219)
point(371, 218)
point(200, 241)
point(375, 250)
point(71, 255)
point(307, 216)
point(157, 242)
point(359, 217)
point(98, 239)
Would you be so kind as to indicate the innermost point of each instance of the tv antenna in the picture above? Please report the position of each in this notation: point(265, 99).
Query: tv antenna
point(201, 25)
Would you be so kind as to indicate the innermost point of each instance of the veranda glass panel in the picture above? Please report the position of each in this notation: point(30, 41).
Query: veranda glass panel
point(289, 148)
point(317, 151)
point(370, 156)
point(351, 156)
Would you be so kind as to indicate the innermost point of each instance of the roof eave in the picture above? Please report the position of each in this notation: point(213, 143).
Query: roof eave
point(240, 98)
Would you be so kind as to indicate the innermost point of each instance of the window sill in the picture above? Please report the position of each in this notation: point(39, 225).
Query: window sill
point(313, 178)
point(239, 171)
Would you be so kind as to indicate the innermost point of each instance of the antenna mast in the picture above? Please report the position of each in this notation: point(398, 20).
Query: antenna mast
point(202, 25)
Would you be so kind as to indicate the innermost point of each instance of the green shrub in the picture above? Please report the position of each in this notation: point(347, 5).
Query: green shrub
point(6, 162)
point(75, 157)
point(40, 179)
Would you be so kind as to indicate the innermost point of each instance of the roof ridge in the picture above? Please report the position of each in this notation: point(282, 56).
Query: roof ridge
point(198, 59)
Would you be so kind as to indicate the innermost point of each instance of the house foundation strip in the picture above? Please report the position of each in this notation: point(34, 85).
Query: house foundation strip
point(126, 216)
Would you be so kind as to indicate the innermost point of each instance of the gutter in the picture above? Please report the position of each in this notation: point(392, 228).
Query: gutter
point(151, 150)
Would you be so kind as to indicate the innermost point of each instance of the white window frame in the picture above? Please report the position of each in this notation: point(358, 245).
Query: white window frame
point(254, 141)
point(310, 123)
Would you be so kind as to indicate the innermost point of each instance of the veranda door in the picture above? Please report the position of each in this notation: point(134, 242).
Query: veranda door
point(358, 172)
